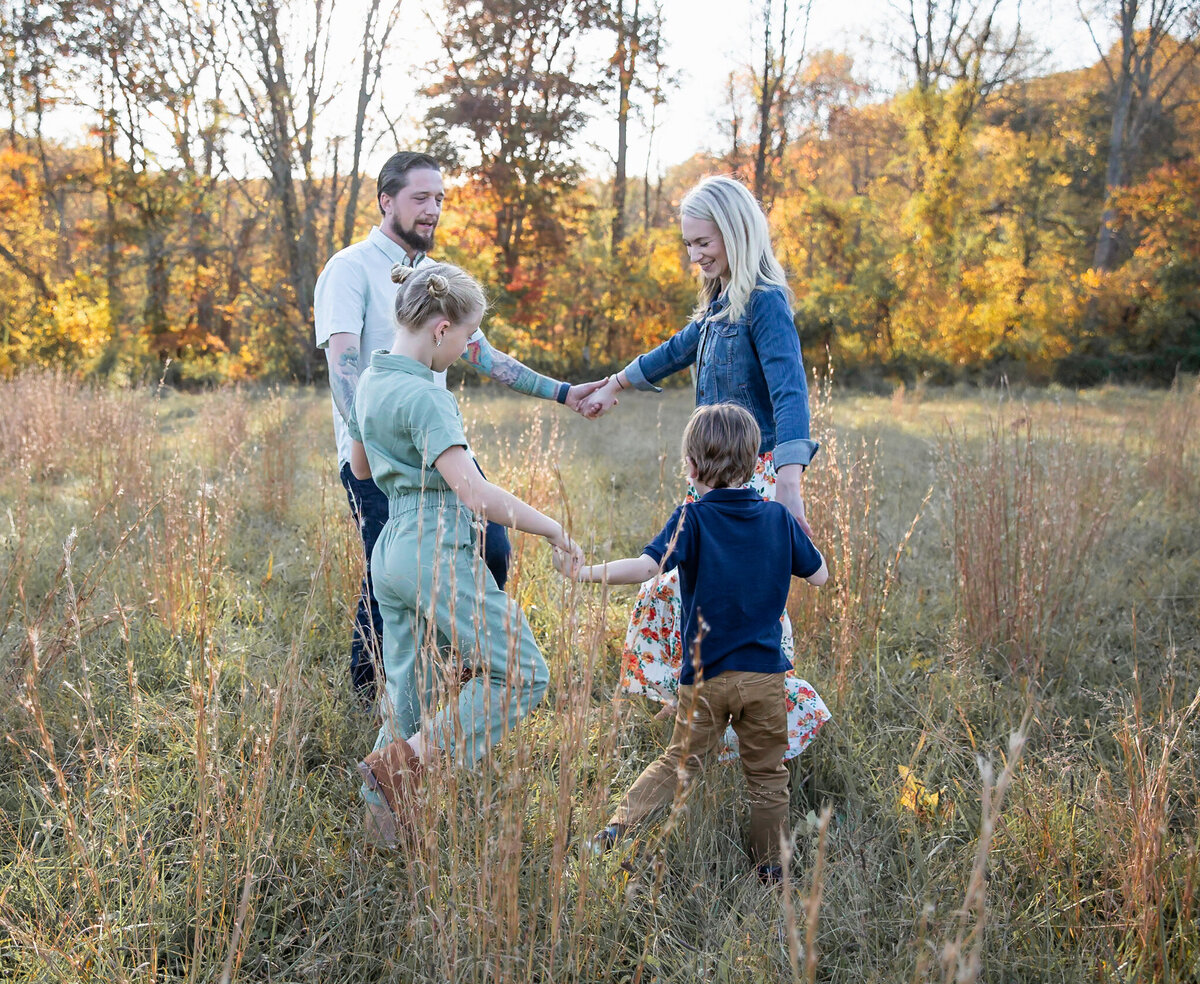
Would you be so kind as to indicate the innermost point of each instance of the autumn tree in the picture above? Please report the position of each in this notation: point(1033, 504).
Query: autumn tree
point(781, 57)
point(281, 94)
point(1157, 46)
point(512, 90)
point(957, 54)
point(636, 66)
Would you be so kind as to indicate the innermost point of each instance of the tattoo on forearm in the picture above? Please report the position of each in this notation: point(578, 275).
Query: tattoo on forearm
point(507, 370)
point(343, 380)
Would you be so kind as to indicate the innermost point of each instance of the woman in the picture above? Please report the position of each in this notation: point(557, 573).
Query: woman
point(743, 343)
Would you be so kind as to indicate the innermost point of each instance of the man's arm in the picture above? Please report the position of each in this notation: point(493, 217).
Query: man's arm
point(503, 368)
point(341, 354)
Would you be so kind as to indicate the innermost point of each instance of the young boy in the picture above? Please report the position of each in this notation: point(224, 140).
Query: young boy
point(736, 555)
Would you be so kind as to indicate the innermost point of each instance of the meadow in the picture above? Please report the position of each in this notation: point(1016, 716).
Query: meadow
point(1009, 644)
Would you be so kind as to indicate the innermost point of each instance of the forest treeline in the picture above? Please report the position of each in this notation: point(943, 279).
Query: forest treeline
point(984, 218)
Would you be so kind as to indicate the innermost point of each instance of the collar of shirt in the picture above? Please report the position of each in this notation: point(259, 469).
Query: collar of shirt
point(731, 495)
point(383, 359)
point(392, 249)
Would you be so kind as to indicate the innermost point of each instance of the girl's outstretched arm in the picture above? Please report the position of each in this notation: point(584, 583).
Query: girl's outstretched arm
point(483, 498)
point(628, 570)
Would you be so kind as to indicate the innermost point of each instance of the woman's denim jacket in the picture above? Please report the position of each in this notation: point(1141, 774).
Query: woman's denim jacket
point(754, 361)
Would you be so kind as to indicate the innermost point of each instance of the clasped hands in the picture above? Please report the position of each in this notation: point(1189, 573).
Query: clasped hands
point(594, 399)
point(568, 562)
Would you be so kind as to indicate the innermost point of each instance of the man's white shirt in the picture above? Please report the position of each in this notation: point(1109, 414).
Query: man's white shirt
point(355, 295)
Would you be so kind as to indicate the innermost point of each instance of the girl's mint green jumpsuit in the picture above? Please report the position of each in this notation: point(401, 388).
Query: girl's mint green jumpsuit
point(432, 586)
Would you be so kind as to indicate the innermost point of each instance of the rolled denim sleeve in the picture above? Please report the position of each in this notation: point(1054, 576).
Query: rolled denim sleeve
point(778, 347)
point(677, 352)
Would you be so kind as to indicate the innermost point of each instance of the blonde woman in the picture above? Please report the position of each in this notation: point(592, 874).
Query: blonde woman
point(743, 344)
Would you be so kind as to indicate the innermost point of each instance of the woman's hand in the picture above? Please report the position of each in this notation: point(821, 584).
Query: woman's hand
point(603, 400)
point(789, 492)
point(577, 395)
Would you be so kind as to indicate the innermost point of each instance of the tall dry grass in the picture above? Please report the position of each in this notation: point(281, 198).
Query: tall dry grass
point(1029, 508)
point(842, 492)
point(1173, 457)
point(1150, 837)
point(177, 793)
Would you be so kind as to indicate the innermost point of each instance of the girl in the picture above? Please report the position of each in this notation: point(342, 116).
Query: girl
point(743, 343)
point(432, 589)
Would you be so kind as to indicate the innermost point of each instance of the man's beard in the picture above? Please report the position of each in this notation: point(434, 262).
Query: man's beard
point(412, 238)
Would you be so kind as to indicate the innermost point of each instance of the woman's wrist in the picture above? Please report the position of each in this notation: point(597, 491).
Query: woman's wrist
point(790, 476)
point(615, 380)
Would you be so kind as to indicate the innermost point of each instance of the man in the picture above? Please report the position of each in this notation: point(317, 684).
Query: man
point(353, 315)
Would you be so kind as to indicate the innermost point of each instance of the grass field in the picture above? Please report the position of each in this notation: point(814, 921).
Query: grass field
point(1010, 646)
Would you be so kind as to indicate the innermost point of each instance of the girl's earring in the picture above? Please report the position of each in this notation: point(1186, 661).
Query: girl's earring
point(438, 341)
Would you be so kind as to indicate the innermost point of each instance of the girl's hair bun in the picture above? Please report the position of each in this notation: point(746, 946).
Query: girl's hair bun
point(436, 289)
point(401, 273)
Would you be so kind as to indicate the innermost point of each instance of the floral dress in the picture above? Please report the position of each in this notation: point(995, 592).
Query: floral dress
point(653, 651)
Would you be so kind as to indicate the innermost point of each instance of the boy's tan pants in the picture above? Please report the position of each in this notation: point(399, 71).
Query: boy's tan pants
point(754, 704)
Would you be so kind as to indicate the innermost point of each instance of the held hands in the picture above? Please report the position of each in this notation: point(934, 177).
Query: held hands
point(568, 555)
point(577, 395)
point(603, 399)
point(567, 564)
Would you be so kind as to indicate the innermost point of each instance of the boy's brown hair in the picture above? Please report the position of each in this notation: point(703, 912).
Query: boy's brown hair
point(722, 440)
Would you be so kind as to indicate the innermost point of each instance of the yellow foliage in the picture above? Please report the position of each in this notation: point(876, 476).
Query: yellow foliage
point(915, 798)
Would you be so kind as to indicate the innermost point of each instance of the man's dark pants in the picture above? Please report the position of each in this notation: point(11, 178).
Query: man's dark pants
point(369, 507)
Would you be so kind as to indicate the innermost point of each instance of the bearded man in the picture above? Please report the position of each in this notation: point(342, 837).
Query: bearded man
point(353, 314)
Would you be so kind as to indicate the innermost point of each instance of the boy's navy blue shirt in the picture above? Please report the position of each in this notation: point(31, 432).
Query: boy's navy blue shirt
point(736, 554)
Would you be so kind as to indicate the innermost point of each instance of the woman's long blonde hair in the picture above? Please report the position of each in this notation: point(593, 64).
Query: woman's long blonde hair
point(743, 227)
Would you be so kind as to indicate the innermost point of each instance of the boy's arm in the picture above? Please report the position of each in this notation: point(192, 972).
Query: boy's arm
point(821, 575)
point(627, 570)
point(665, 552)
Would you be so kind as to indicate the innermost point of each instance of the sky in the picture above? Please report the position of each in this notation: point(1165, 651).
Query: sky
point(707, 39)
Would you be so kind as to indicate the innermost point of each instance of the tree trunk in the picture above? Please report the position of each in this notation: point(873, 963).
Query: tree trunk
point(372, 66)
point(766, 96)
point(1115, 172)
point(628, 40)
point(112, 275)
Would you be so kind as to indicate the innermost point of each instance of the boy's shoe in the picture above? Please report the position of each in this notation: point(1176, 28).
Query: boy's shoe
point(770, 874)
point(606, 839)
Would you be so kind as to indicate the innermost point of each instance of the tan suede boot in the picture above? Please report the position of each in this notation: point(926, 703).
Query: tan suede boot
point(393, 771)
